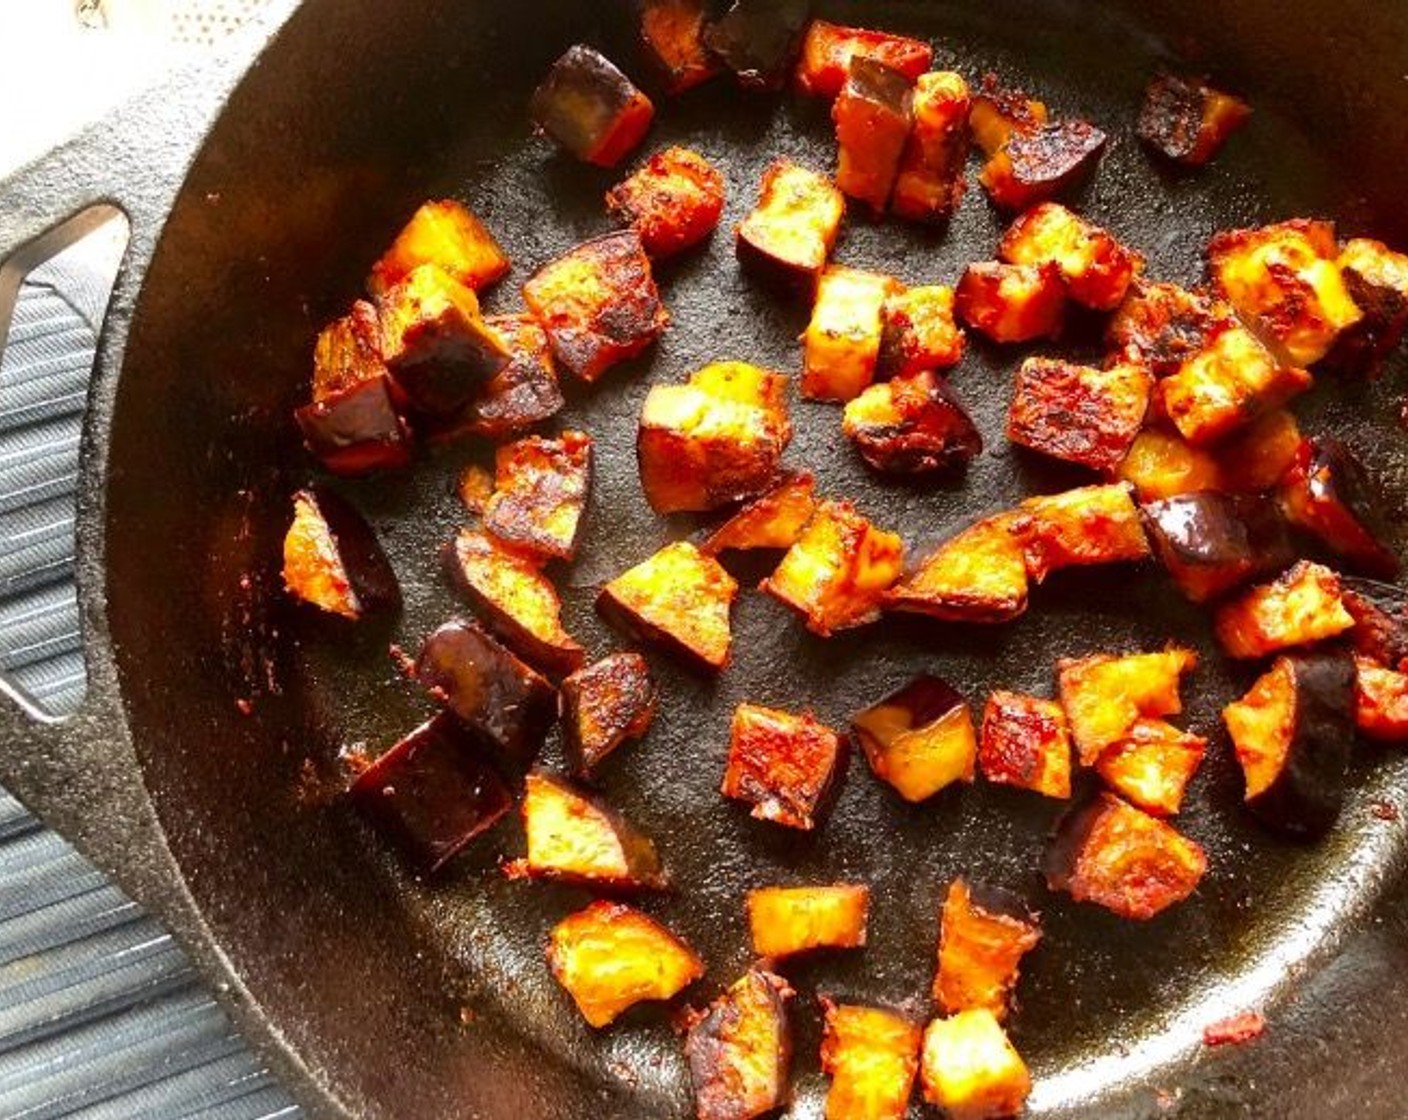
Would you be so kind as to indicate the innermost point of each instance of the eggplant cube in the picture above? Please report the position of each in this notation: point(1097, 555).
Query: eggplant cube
point(1380, 613)
point(872, 1057)
point(680, 598)
point(1078, 413)
point(1162, 325)
point(978, 576)
point(432, 793)
point(1088, 525)
point(603, 706)
point(1259, 457)
point(1098, 270)
point(448, 235)
point(841, 345)
point(714, 440)
point(576, 839)
point(999, 113)
point(790, 232)
point(829, 48)
point(1186, 120)
point(521, 395)
point(971, 1070)
point(1302, 606)
point(1012, 302)
point(758, 39)
point(1162, 464)
point(912, 424)
point(1026, 742)
point(332, 559)
point(1377, 279)
point(740, 1050)
point(984, 934)
point(782, 764)
point(1038, 165)
point(1153, 765)
point(930, 183)
point(540, 494)
point(589, 107)
point(1292, 732)
point(772, 520)
point(873, 115)
point(1328, 492)
point(784, 921)
point(920, 739)
point(1119, 857)
point(672, 33)
point(1380, 701)
point(1212, 542)
point(488, 688)
point(610, 957)
point(1105, 696)
point(918, 332)
point(673, 201)
point(838, 571)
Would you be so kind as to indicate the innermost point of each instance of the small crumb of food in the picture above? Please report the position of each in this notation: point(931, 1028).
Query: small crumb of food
point(918, 332)
point(841, 345)
point(912, 424)
point(589, 107)
point(679, 598)
point(1012, 302)
point(784, 921)
point(873, 116)
point(978, 576)
point(540, 494)
point(1328, 492)
point(971, 1070)
point(333, 561)
point(829, 48)
point(1098, 270)
point(1081, 414)
point(919, 739)
point(791, 230)
point(931, 184)
point(758, 40)
point(446, 234)
point(1088, 525)
point(673, 201)
point(475, 487)
point(603, 706)
point(1026, 742)
point(782, 764)
point(672, 34)
point(1186, 120)
point(872, 1057)
point(1212, 542)
point(984, 934)
point(771, 520)
point(1302, 606)
point(1235, 1029)
point(1152, 766)
point(1106, 695)
point(739, 1050)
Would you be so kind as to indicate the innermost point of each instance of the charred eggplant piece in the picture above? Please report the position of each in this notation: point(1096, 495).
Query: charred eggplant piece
point(1292, 733)
point(971, 1070)
point(1039, 165)
point(784, 921)
point(837, 572)
point(913, 424)
point(1163, 325)
point(1257, 458)
point(1105, 696)
point(604, 705)
point(513, 596)
point(610, 957)
point(774, 520)
point(1380, 613)
point(920, 739)
point(841, 345)
point(1026, 743)
point(1162, 464)
point(1088, 525)
point(540, 494)
point(1152, 766)
point(758, 39)
point(1380, 701)
point(984, 934)
point(1377, 280)
point(1212, 542)
point(1329, 493)
point(714, 440)
point(930, 183)
point(1079, 413)
point(1302, 606)
point(589, 107)
point(521, 395)
point(1098, 270)
point(679, 598)
point(445, 234)
point(782, 764)
point(598, 303)
point(432, 793)
point(978, 576)
point(873, 117)
point(673, 201)
point(999, 113)
point(829, 48)
point(1012, 302)
point(918, 332)
point(575, 838)
point(672, 33)
point(740, 1050)
point(1119, 857)
point(487, 688)
point(1186, 120)
point(872, 1057)
point(790, 232)
point(332, 559)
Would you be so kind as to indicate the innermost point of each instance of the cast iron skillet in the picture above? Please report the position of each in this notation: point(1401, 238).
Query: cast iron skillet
point(377, 996)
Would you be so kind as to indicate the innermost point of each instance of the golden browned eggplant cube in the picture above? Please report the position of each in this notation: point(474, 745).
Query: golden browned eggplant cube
point(1152, 766)
point(1304, 605)
point(673, 201)
point(999, 113)
point(1119, 857)
point(873, 116)
point(679, 598)
point(598, 303)
point(1105, 695)
point(589, 107)
point(1026, 743)
point(782, 764)
point(1088, 525)
point(1377, 280)
point(970, 1069)
point(791, 230)
point(978, 576)
point(1380, 701)
point(1038, 165)
point(772, 520)
point(1098, 270)
point(912, 424)
point(758, 40)
point(920, 739)
point(1162, 325)
point(521, 395)
point(1284, 280)
point(1186, 120)
point(1081, 414)
point(1162, 464)
point(1012, 302)
point(512, 595)
point(1329, 493)
point(740, 1050)
point(918, 332)
point(575, 838)
point(784, 921)
point(828, 48)
point(603, 706)
point(715, 440)
point(447, 234)
point(841, 345)
point(872, 1057)
point(984, 933)
point(1257, 458)
point(332, 559)
point(930, 183)
point(672, 33)
point(540, 493)
point(611, 957)
point(1212, 542)
point(838, 570)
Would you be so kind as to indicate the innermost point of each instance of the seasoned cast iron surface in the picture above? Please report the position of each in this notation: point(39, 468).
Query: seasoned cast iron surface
point(398, 988)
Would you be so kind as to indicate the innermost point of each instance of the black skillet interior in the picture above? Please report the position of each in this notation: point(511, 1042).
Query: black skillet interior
point(410, 1000)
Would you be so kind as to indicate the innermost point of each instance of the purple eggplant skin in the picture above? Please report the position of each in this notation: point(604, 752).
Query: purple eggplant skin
point(1212, 542)
point(370, 573)
point(357, 431)
point(488, 689)
point(432, 793)
point(924, 700)
point(1329, 493)
point(758, 40)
